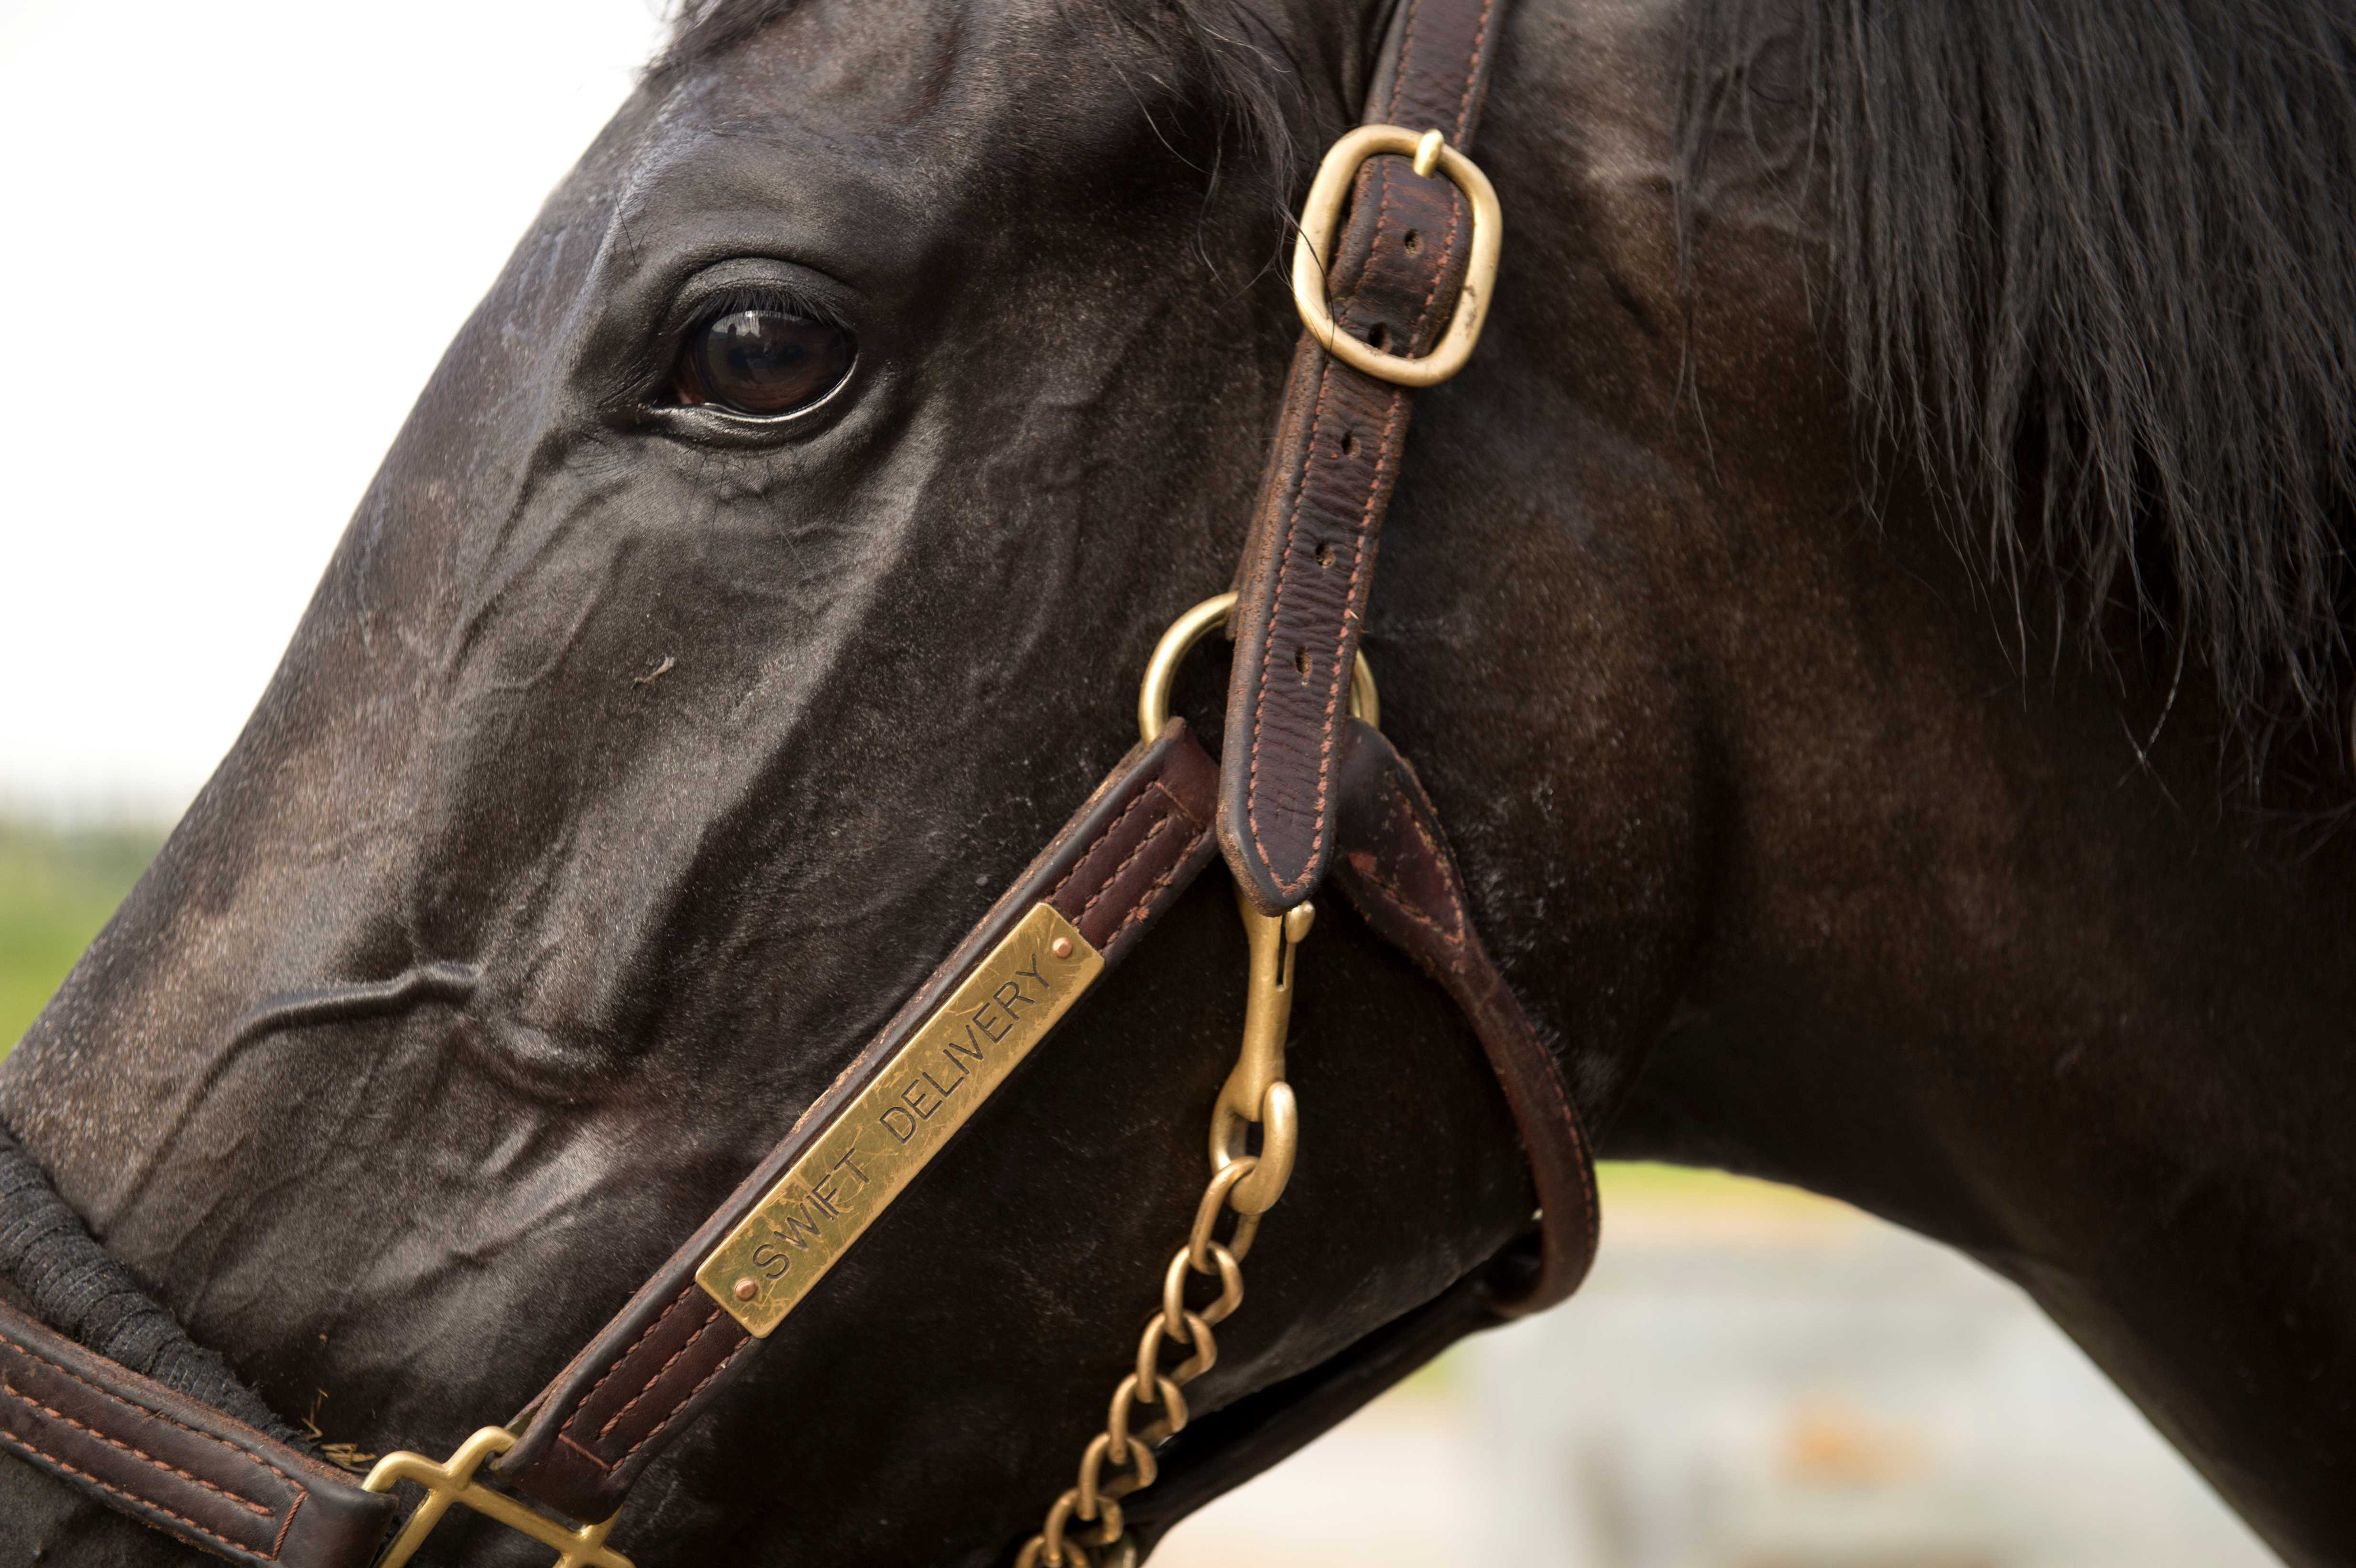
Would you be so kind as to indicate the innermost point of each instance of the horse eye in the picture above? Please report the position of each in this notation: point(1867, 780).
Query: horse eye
point(762, 361)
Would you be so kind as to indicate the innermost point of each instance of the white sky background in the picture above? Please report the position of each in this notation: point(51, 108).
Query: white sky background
point(218, 220)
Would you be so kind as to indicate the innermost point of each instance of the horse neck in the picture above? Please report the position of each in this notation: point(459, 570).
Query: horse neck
point(1975, 964)
point(1833, 870)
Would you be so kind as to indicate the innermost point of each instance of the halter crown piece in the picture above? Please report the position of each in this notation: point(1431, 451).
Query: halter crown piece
point(1393, 275)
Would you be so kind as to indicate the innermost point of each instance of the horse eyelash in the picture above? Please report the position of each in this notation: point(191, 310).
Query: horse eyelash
point(766, 296)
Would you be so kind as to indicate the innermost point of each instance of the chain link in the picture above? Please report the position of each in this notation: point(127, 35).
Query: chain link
point(1120, 1460)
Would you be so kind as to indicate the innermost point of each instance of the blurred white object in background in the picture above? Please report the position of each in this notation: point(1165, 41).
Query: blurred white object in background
point(1751, 1379)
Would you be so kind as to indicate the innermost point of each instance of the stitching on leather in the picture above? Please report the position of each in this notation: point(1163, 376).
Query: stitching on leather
point(1370, 868)
point(239, 1498)
point(1285, 556)
point(113, 1397)
point(1179, 807)
point(1455, 200)
point(581, 1409)
point(1471, 70)
point(1565, 1113)
point(1337, 683)
point(278, 1545)
point(566, 1438)
point(1114, 875)
point(1323, 828)
point(1447, 254)
point(1292, 527)
point(1396, 897)
point(1374, 246)
point(34, 1450)
point(692, 1341)
point(687, 1399)
point(1403, 804)
point(301, 1489)
point(1276, 610)
point(1276, 616)
point(1145, 900)
point(1400, 77)
point(1149, 780)
point(1350, 614)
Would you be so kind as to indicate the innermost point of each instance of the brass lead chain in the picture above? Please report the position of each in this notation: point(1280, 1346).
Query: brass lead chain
point(1095, 1498)
point(1117, 1461)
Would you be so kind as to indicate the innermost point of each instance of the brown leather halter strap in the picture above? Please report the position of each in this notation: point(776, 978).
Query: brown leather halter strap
point(231, 1491)
point(1394, 280)
point(191, 1471)
point(1309, 563)
point(1302, 789)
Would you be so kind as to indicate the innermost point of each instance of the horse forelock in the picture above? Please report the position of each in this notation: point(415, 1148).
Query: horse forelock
point(2092, 266)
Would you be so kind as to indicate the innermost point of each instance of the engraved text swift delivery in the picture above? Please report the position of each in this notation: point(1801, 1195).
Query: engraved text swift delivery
point(861, 1159)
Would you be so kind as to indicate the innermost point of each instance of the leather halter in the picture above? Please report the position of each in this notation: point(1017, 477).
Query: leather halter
point(1303, 792)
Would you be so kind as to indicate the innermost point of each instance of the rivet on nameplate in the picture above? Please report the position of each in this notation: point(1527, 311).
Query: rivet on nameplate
point(746, 1290)
point(1061, 947)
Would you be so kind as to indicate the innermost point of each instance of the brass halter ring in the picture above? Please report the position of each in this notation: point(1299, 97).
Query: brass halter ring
point(1162, 669)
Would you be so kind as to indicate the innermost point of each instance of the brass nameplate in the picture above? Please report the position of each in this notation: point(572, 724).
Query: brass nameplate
point(874, 1148)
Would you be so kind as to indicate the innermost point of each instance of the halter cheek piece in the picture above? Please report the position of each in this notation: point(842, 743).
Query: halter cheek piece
point(1392, 299)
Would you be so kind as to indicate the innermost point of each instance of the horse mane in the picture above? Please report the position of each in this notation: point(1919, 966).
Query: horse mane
point(2092, 265)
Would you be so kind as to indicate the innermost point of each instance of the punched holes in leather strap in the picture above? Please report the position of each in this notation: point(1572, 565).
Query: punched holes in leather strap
point(1393, 281)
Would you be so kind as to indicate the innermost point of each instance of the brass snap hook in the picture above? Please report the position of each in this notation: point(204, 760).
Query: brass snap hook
point(1243, 1181)
point(1255, 1091)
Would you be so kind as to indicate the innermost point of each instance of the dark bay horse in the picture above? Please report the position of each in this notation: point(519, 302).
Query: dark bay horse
point(1872, 614)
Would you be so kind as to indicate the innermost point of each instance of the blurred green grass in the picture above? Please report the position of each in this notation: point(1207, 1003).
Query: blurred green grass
point(1645, 1181)
point(58, 886)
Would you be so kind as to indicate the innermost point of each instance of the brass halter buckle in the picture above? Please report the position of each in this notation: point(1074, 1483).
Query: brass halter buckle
point(1320, 215)
point(453, 1481)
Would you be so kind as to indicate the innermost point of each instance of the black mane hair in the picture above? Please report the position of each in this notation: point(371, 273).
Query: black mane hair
point(2093, 263)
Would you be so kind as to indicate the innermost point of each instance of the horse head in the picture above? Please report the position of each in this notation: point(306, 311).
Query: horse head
point(764, 573)
point(768, 568)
